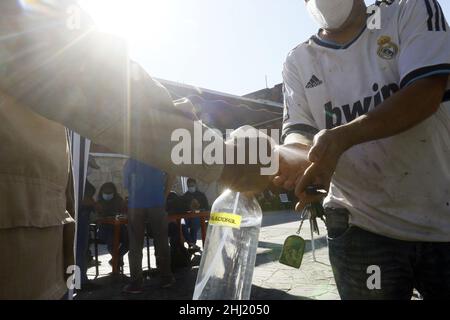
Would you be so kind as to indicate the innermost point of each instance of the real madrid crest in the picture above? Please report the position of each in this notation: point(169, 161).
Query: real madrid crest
point(386, 48)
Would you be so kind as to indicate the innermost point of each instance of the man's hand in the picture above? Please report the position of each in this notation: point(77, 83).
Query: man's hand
point(244, 177)
point(247, 177)
point(327, 149)
point(293, 161)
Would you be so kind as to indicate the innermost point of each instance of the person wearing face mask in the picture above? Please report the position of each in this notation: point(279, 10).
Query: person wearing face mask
point(193, 200)
point(110, 204)
point(374, 105)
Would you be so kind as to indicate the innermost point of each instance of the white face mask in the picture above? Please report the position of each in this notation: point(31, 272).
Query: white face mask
point(330, 14)
point(108, 196)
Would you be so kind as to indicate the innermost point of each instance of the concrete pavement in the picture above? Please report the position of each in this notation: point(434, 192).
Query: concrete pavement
point(271, 280)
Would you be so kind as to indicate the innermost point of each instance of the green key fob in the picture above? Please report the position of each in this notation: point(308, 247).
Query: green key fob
point(293, 250)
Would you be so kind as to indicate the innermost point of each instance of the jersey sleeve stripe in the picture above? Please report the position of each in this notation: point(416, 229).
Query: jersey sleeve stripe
point(302, 129)
point(438, 16)
point(430, 15)
point(424, 73)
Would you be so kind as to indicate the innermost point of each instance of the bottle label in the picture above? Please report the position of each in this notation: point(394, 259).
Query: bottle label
point(225, 220)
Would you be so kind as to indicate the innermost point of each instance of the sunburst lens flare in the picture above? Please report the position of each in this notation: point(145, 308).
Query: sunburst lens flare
point(133, 20)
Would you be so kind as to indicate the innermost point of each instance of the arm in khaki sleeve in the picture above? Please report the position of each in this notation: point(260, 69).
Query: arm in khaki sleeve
point(85, 81)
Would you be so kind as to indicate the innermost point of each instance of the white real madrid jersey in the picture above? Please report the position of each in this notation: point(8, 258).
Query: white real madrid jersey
point(400, 186)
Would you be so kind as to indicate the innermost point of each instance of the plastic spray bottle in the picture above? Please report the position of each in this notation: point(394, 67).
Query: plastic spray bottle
point(228, 261)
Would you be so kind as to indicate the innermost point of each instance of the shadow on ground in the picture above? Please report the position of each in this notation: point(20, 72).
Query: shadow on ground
point(274, 252)
point(110, 288)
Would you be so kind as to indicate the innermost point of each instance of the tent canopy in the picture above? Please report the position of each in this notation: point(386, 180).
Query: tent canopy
point(225, 111)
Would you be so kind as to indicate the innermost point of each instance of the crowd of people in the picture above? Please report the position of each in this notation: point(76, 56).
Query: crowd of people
point(150, 199)
point(366, 118)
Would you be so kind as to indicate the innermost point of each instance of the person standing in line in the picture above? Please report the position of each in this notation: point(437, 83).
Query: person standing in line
point(148, 188)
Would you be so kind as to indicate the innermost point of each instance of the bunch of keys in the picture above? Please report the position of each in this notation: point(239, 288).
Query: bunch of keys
point(294, 246)
point(315, 210)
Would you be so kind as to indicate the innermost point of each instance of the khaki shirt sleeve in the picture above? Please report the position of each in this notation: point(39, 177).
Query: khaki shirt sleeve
point(85, 80)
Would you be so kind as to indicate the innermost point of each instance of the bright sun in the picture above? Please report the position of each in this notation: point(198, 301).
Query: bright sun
point(134, 20)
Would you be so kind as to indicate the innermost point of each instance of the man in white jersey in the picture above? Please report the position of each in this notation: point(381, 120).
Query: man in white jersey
point(374, 103)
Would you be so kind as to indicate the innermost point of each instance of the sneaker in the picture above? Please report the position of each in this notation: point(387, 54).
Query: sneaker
point(167, 282)
point(133, 288)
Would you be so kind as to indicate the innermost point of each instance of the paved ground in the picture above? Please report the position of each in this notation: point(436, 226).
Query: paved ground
point(271, 280)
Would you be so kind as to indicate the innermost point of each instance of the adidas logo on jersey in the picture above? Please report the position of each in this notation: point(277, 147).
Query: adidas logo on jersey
point(314, 82)
point(337, 116)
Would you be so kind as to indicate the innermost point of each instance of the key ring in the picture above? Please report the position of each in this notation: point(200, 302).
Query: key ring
point(302, 219)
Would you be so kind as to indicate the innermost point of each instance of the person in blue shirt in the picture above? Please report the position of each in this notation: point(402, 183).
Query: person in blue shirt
point(147, 188)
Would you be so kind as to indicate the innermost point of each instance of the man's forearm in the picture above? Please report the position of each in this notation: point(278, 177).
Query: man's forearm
point(88, 84)
point(404, 110)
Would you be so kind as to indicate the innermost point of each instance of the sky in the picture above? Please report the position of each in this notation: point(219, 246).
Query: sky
point(230, 46)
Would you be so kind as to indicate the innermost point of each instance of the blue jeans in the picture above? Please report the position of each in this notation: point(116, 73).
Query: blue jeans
point(403, 265)
point(190, 230)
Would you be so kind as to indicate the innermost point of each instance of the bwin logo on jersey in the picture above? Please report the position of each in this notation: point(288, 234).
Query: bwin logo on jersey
point(336, 116)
